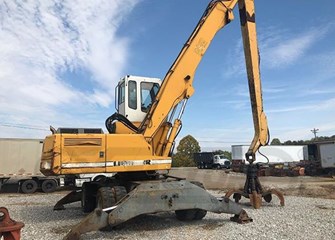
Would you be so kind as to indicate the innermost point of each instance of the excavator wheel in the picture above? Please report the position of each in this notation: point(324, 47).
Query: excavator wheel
point(105, 197)
point(109, 196)
point(186, 215)
point(191, 214)
point(200, 214)
point(120, 192)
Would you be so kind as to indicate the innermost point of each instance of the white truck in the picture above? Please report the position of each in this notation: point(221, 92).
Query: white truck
point(205, 160)
point(20, 163)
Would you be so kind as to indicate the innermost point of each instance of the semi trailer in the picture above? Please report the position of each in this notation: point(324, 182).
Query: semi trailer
point(20, 164)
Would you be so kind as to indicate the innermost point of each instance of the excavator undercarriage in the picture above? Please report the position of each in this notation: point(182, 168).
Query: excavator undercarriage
point(190, 201)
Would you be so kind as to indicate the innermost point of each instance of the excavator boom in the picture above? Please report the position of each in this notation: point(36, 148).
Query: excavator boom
point(177, 85)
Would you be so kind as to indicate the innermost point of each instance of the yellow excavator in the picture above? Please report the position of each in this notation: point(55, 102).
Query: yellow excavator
point(137, 150)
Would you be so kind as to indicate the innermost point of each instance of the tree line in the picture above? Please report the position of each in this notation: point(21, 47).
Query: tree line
point(276, 141)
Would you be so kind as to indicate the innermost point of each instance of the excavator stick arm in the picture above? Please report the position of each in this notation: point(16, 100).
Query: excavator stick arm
point(251, 52)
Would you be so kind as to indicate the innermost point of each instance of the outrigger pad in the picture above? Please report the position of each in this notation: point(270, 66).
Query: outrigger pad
point(241, 218)
point(158, 196)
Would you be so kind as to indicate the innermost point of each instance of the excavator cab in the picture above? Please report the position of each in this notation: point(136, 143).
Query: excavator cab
point(134, 96)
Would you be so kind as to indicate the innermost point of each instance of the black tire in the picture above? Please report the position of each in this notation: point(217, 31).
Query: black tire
point(200, 214)
point(88, 200)
point(29, 186)
point(109, 196)
point(49, 185)
point(186, 215)
point(191, 214)
point(120, 192)
point(105, 197)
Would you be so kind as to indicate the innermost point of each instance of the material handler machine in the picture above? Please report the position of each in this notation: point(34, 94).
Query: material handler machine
point(141, 136)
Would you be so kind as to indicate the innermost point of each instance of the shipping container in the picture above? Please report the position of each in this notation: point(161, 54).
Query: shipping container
point(327, 154)
point(273, 154)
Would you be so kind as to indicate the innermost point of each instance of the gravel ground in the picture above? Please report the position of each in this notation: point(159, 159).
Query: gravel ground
point(301, 218)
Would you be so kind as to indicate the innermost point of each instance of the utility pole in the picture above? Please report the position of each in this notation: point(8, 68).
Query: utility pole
point(314, 131)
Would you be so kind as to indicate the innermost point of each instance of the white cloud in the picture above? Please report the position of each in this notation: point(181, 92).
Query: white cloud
point(280, 52)
point(279, 48)
point(40, 40)
point(328, 104)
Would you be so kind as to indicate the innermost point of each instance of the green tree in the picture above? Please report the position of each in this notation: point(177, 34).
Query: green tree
point(275, 141)
point(185, 150)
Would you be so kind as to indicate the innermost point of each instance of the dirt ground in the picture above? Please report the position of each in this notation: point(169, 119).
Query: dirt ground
point(320, 187)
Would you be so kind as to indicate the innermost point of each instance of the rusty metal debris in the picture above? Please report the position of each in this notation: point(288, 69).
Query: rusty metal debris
point(9, 229)
point(254, 190)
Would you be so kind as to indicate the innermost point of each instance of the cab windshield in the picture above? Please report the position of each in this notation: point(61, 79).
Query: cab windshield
point(148, 94)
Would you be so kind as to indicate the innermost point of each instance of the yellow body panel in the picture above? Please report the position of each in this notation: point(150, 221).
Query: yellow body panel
point(100, 153)
point(120, 128)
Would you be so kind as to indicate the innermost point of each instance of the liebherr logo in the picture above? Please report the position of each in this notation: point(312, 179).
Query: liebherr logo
point(146, 162)
point(200, 48)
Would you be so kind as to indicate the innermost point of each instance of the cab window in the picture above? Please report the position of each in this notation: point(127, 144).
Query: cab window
point(148, 94)
point(132, 95)
point(121, 93)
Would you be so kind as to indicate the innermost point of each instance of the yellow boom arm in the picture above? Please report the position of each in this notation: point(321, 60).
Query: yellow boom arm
point(177, 84)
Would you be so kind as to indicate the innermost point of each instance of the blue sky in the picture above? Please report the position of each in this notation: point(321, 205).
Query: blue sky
point(60, 62)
